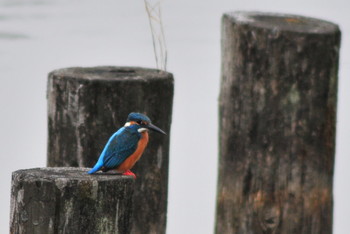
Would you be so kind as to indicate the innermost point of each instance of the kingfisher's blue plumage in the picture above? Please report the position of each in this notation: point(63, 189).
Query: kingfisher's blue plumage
point(128, 141)
point(119, 146)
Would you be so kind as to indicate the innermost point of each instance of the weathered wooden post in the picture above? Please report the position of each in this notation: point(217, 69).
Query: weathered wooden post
point(67, 200)
point(87, 105)
point(277, 124)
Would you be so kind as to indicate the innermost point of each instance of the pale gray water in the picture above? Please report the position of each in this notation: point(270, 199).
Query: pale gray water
point(37, 36)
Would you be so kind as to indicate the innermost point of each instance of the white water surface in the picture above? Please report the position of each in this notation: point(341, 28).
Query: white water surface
point(37, 36)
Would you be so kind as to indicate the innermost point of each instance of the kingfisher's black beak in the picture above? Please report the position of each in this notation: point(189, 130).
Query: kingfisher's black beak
point(155, 128)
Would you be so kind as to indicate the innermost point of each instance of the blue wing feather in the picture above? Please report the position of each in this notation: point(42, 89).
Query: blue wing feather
point(119, 146)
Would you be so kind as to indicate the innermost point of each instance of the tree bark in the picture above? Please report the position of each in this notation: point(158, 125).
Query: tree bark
point(277, 124)
point(68, 200)
point(87, 105)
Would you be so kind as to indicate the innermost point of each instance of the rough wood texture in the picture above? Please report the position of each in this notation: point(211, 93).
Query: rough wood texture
point(87, 105)
point(277, 124)
point(68, 200)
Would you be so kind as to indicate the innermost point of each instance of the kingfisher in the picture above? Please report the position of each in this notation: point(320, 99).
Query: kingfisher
point(125, 147)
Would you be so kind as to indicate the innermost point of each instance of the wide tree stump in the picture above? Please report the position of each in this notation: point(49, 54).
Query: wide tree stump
point(68, 200)
point(277, 124)
point(87, 105)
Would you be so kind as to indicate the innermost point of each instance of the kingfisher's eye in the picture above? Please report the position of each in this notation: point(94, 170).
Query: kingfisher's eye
point(139, 122)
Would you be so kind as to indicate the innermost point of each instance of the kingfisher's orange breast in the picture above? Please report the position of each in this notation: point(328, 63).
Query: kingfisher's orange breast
point(132, 159)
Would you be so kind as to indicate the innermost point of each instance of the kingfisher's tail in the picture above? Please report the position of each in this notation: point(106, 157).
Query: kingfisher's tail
point(97, 167)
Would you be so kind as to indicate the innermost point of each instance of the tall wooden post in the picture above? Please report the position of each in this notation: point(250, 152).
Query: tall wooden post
point(67, 200)
point(277, 124)
point(87, 105)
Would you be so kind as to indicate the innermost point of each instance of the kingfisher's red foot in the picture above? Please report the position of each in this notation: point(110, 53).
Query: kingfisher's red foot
point(129, 173)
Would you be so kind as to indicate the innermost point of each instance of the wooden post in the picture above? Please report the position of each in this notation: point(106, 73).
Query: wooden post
point(68, 200)
point(277, 124)
point(87, 105)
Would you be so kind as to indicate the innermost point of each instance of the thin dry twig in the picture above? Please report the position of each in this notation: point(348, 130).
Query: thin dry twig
point(157, 30)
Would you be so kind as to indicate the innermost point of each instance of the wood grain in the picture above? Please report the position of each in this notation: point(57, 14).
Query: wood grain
point(68, 200)
point(277, 124)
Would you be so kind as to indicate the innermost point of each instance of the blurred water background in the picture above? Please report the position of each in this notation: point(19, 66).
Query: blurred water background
point(37, 36)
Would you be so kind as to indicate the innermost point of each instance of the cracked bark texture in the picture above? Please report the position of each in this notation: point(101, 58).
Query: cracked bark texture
point(87, 105)
point(277, 115)
point(67, 200)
